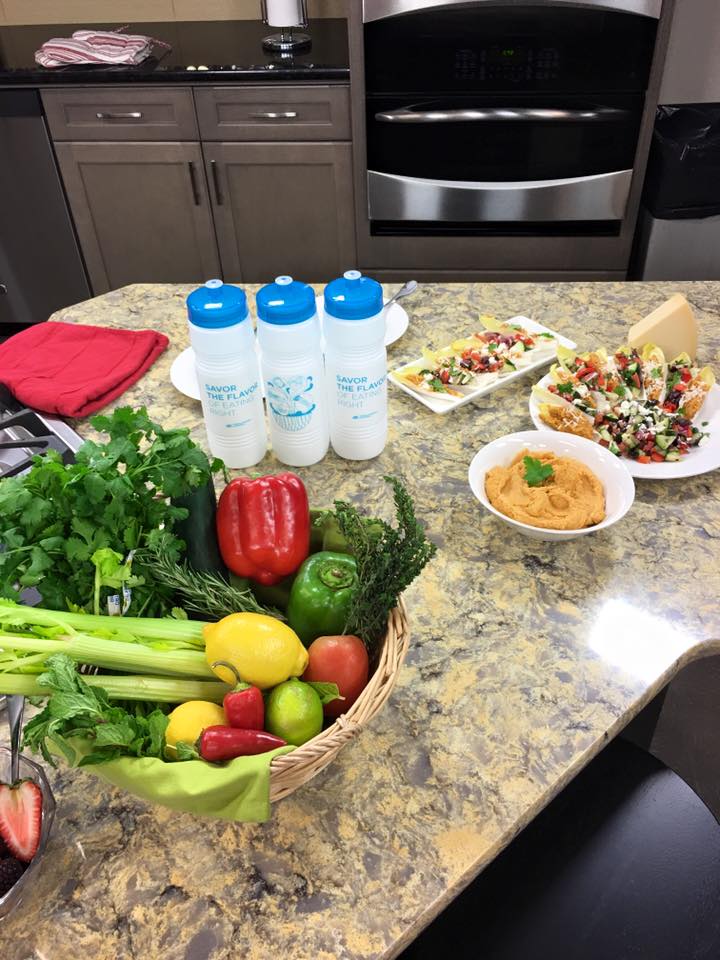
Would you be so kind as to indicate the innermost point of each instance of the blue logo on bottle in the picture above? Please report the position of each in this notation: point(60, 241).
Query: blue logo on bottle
point(290, 401)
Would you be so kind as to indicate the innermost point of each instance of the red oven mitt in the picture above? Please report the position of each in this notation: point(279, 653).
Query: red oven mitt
point(74, 370)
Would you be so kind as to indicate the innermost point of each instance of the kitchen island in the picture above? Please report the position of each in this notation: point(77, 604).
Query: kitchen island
point(526, 658)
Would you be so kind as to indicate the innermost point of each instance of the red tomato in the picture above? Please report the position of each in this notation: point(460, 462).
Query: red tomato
point(341, 660)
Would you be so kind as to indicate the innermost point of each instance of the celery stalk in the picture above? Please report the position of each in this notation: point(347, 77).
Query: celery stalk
point(112, 655)
point(154, 689)
point(147, 628)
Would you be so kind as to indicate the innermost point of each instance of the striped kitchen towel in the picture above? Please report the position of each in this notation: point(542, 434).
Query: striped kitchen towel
point(97, 46)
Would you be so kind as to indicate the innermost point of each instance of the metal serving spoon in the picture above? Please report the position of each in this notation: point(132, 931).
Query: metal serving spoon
point(15, 708)
point(405, 290)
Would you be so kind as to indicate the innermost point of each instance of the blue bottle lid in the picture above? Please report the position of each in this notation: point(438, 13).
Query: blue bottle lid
point(353, 297)
point(285, 302)
point(216, 305)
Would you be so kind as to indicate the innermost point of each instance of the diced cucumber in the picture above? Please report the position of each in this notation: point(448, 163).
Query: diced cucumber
point(664, 440)
point(605, 434)
point(614, 448)
point(672, 455)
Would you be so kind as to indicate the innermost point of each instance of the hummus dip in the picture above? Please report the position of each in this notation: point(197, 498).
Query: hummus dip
point(571, 499)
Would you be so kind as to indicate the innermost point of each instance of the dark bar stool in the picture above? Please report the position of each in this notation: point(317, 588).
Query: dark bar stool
point(623, 865)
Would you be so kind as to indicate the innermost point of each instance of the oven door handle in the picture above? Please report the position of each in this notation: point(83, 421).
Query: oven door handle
point(499, 114)
point(601, 196)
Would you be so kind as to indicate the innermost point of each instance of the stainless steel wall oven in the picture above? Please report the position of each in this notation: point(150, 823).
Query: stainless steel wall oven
point(503, 118)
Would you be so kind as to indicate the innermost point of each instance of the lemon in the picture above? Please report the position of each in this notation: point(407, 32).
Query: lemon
point(188, 721)
point(264, 651)
point(294, 712)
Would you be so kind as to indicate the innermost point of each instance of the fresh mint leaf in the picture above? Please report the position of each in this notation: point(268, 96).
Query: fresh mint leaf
point(326, 691)
point(184, 751)
point(536, 472)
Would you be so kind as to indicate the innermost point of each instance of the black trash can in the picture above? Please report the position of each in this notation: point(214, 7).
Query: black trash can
point(679, 226)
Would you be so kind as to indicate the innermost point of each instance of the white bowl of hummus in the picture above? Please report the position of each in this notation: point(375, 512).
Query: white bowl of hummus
point(551, 486)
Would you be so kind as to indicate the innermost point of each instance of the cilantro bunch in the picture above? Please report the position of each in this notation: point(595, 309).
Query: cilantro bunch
point(60, 525)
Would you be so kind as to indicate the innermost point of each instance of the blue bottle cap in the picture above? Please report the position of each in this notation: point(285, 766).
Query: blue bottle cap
point(353, 297)
point(216, 305)
point(285, 302)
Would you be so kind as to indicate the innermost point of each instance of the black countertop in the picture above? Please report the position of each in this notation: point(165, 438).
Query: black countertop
point(230, 49)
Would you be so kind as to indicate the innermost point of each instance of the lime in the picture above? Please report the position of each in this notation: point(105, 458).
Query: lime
point(294, 712)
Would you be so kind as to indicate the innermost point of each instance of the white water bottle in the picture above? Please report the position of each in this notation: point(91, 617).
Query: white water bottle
point(228, 373)
point(292, 367)
point(356, 366)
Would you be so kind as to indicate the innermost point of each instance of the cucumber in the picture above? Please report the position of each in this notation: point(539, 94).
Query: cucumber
point(664, 440)
point(198, 531)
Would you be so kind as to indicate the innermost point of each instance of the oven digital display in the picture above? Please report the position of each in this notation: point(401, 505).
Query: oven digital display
point(510, 62)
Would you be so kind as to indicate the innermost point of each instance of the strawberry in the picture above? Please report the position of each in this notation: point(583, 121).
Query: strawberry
point(20, 818)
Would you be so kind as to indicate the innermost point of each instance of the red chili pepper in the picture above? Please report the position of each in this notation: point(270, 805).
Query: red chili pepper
point(584, 372)
point(263, 527)
point(227, 743)
point(245, 708)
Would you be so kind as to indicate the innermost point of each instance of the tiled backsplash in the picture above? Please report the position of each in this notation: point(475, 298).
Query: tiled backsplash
point(145, 11)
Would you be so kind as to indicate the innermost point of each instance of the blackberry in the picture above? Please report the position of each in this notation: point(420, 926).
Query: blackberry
point(10, 872)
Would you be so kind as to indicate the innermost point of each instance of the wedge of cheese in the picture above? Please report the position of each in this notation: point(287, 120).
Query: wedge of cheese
point(672, 327)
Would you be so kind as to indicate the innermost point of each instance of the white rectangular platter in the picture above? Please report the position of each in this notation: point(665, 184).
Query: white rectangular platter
point(439, 404)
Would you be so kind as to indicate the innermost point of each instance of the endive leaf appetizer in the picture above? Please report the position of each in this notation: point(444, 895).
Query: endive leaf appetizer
point(636, 404)
point(476, 360)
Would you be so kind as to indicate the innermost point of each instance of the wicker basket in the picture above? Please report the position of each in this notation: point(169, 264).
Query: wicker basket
point(292, 770)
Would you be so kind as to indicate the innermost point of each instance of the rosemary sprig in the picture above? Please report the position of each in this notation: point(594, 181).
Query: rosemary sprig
point(204, 592)
point(388, 560)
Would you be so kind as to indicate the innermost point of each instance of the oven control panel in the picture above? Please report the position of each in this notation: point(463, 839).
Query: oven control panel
point(510, 63)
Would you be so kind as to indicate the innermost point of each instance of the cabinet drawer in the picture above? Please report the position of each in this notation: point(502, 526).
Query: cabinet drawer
point(273, 113)
point(123, 113)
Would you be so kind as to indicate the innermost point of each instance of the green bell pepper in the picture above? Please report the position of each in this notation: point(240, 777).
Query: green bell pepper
point(321, 595)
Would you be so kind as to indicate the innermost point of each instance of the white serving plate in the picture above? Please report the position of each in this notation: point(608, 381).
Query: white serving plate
point(700, 459)
point(439, 404)
point(617, 482)
point(184, 378)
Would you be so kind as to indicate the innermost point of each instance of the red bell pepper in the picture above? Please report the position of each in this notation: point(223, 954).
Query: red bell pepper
point(226, 743)
point(263, 527)
point(245, 708)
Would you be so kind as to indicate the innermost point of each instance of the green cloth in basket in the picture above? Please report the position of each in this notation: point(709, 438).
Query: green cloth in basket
point(238, 790)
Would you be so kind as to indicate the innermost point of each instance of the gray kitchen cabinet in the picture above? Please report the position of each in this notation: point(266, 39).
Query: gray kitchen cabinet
point(273, 113)
point(141, 211)
point(282, 208)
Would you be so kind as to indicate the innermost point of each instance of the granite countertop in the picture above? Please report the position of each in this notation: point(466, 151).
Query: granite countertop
point(526, 658)
point(230, 49)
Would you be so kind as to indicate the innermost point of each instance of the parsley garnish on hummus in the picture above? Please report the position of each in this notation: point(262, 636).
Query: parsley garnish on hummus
point(536, 472)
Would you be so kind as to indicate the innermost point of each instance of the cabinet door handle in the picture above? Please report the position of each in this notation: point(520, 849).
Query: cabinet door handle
point(270, 115)
point(132, 115)
point(193, 183)
point(216, 183)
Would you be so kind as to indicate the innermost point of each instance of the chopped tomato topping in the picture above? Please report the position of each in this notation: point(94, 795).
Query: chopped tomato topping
point(643, 459)
point(680, 387)
point(686, 375)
